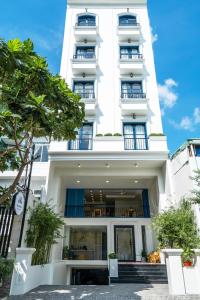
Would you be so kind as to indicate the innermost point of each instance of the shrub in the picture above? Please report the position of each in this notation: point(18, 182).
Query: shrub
point(117, 134)
point(112, 255)
point(108, 134)
point(6, 267)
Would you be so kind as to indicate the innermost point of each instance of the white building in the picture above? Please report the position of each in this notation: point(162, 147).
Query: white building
point(185, 161)
point(110, 181)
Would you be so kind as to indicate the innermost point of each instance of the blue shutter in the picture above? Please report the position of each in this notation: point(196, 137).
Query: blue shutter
point(74, 203)
point(145, 199)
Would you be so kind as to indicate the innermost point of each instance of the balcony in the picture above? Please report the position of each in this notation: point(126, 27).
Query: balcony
point(126, 95)
point(90, 101)
point(81, 144)
point(137, 143)
point(87, 31)
point(84, 63)
point(130, 106)
point(133, 63)
point(129, 31)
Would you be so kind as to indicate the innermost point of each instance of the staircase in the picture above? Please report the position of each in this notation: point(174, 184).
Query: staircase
point(141, 273)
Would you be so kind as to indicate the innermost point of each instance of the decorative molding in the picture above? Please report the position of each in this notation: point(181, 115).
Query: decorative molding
point(99, 2)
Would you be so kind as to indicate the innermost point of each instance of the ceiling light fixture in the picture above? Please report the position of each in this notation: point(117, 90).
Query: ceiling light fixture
point(136, 165)
point(107, 181)
point(77, 181)
point(79, 165)
point(136, 181)
point(107, 165)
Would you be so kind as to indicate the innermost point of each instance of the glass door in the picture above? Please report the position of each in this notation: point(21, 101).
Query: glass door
point(125, 243)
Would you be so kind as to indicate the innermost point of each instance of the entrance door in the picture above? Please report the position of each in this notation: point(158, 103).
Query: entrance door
point(125, 243)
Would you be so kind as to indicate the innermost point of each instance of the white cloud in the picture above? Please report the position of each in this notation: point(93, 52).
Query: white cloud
point(196, 115)
point(188, 123)
point(168, 97)
point(154, 36)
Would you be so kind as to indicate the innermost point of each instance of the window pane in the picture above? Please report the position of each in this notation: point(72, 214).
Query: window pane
point(197, 150)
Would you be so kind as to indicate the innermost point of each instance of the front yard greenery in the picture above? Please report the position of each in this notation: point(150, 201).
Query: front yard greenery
point(6, 267)
point(34, 103)
point(176, 228)
point(44, 227)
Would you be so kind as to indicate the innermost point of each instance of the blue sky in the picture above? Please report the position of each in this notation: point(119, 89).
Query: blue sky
point(175, 25)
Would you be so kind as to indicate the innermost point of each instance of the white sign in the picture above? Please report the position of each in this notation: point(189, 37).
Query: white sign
point(19, 203)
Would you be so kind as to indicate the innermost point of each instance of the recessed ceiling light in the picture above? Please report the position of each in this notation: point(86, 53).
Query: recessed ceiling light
point(136, 165)
point(77, 181)
point(107, 181)
point(107, 165)
point(79, 166)
point(136, 181)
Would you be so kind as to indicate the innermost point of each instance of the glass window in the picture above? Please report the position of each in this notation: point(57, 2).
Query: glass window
point(197, 150)
point(85, 52)
point(127, 20)
point(83, 139)
point(86, 20)
point(128, 52)
point(85, 89)
point(132, 89)
point(41, 152)
point(135, 137)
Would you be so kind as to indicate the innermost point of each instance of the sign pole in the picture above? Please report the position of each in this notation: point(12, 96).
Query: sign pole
point(27, 195)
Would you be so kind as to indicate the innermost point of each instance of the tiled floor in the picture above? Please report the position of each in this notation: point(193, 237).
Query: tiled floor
point(112, 292)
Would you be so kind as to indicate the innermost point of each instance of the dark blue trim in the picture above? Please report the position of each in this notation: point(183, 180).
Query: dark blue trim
point(127, 20)
point(197, 150)
point(134, 135)
point(145, 198)
point(74, 197)
point(83, 141)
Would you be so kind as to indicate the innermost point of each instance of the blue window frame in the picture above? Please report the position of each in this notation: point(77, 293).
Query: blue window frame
point(135, 136)
point(127, 20)
point(129, 52)
point(83, 139)
point(197, 150)
point(85, 89)
point(85, 52)
point(132, 89)
point(86, 20)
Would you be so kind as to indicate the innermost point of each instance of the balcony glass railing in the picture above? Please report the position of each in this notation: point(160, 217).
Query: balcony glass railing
point(84, 56)
point(81, 144)
point(131, 56)
point(103, 211)
point(128, 23)
point(133, 95)
point(138, 143)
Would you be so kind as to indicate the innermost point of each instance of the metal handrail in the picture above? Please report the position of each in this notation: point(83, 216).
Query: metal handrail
point(102, 210)
point(129, 24)
point(84, 56)
point(131, 56)
point(137, 143)
point(132, 95)
point(86, 24)
point(85, 143)
point(85, 95)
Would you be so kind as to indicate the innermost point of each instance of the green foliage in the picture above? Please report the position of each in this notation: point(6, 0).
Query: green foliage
point(6, 267)
point(108, 134)
point(157, 134)
point(99, 134)
point(196, 193)
point(44, 227)
point(117, 134)
point(112, 255)
point(188, 255)
point(176, 227)
point(33, 103)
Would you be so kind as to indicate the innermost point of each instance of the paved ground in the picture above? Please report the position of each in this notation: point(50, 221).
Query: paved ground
point(112, 292)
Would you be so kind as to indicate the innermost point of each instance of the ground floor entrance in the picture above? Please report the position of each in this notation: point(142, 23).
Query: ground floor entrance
point(124, 243)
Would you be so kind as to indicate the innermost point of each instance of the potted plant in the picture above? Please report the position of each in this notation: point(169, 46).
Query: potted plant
point(143, 256)
point(67, 253)
point(188, 257)
point(154, 257)
point(117, 134)
point(113, 265)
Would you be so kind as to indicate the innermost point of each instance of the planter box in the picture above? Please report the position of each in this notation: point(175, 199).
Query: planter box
point(113, 268)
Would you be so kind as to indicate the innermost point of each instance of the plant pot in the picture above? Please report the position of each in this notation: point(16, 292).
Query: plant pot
point(187, 263)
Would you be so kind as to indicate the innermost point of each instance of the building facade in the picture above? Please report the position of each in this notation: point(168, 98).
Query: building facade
point(110, 181)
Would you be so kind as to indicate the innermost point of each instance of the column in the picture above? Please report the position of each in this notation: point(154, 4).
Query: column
point(138, 242)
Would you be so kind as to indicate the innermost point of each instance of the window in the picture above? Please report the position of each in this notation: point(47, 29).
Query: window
point(129, 52)
point(197, 150)
point(135, 137)
point(41, 152)
point(127, 20)
point(86, 20)
point(132, 89)
point(85, 89)
point(85, 52)
point(84, 138)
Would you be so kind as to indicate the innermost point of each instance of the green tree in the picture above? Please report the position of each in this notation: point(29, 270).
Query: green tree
point(176, 227)
point(43, 229)
point(33, 103)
